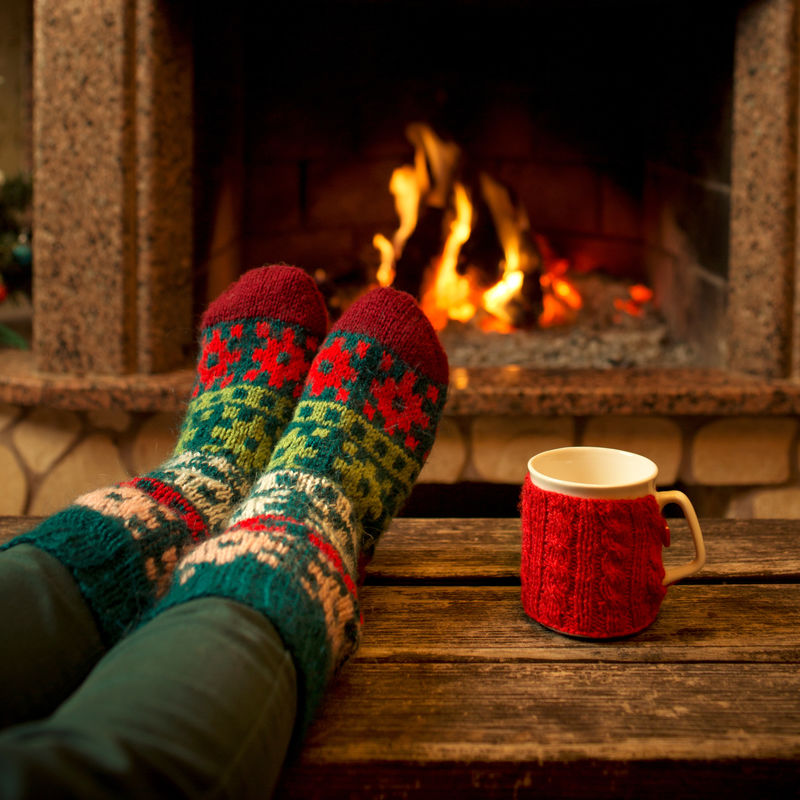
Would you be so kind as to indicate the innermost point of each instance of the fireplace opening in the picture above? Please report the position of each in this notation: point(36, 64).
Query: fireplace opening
point(606, 126)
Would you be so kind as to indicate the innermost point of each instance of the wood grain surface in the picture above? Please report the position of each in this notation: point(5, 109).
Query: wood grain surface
point(756, 623)
point(456, 692)
point(488, 550)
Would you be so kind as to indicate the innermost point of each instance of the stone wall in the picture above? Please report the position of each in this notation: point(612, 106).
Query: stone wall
point(747, 466)
point(741, 467)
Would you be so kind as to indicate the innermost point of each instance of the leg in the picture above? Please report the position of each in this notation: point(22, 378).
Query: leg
point(296, 547)
point(121, 543)
point(198, 702)
point(50, 639)
point(199, 699)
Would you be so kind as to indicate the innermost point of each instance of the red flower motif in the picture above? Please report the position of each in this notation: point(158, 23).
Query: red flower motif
point(331, 369)
point(399, 405)
point(214, 362)
point(282, 359)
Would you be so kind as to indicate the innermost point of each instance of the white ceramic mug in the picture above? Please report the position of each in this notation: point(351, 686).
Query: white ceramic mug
point(609, 474)
point(592, 539)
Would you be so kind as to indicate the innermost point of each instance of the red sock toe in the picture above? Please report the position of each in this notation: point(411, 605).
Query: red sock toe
point(394, 319)
point(277, 292)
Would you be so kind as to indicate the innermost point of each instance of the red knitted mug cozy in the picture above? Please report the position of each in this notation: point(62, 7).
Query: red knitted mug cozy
point(591, 567)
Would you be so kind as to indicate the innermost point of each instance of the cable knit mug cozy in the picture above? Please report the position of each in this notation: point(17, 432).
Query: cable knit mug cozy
point(592, 536)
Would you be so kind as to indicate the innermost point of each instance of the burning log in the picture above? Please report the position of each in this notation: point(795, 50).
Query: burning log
point(481, 254)
point(422, 194)
point(435, 165)
point(462, 252)
point(517, 297)
point(422, 246)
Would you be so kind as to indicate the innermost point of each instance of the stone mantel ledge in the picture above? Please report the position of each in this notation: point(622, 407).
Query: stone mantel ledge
point(21, 384)
point(506, 391)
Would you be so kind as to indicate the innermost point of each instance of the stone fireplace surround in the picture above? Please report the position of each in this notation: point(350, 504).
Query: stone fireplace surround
point(113, 210)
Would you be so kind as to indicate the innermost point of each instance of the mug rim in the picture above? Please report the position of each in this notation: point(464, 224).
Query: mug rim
point(598, 489)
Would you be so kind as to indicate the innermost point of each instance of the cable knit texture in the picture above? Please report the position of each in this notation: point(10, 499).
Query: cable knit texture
point(122, 543)
point(298, 544)
point(591, 567)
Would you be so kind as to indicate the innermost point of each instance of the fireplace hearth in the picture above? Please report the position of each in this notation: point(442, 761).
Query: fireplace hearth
point(656, 144)
point(651, 144)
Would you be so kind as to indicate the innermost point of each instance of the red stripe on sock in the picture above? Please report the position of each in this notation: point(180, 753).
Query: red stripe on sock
point(333, 556)
point(263, 522)
point(165, 495)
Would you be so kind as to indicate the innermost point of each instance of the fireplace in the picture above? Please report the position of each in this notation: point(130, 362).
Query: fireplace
point(655, 142)
point(610, 123)
point(652, 144)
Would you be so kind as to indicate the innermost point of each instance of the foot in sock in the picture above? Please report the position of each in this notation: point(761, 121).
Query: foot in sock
point(296, 547)
point(122, 543)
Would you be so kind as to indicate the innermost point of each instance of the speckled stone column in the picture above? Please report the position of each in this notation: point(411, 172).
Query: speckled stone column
point(112, 185)
point(763, 201)
point(164, 148)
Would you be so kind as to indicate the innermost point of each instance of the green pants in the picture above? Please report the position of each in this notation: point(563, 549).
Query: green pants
point(200, 701)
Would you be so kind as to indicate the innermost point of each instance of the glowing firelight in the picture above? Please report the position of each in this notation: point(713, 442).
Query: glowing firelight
point(408, 185)
point(509, 228)
point(561, 300)
point(385, 274)
point(449, 295)
point(639, 296)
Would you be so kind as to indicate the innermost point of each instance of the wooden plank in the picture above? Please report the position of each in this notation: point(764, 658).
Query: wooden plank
point(487, 623)
point(11, 526)
point(488, 550)
point(550, 727)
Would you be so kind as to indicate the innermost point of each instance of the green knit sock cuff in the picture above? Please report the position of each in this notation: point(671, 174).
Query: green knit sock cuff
point(105, 562)
point(283, 577)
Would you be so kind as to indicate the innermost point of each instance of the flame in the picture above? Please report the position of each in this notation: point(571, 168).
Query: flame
point(561, 301)
point(408, 185)
point(386, 272)
point(449, 295)
point(446, 294)
point(509, 225)
point(640, 294)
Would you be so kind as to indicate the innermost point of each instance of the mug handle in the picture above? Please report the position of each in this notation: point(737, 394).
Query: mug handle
point(673, 574)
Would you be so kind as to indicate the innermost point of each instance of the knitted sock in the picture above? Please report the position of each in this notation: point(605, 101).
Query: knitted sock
point(296, 547)
point(121, 543)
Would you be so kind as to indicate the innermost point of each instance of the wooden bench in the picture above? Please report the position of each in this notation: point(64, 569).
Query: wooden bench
point(455, 692)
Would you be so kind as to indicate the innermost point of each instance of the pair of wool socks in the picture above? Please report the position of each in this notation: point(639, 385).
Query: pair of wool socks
point(302, 453)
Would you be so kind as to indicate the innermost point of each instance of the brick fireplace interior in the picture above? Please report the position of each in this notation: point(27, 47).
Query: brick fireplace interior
point(175, 147)
point(611, 123)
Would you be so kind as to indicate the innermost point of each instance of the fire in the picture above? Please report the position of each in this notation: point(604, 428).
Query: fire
point(561, 300)
point(509, 227)
point(385, 274)
point(449, 293)
point(639, 296)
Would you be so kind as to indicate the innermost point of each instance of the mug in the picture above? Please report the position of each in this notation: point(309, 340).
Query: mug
point(592, 538)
